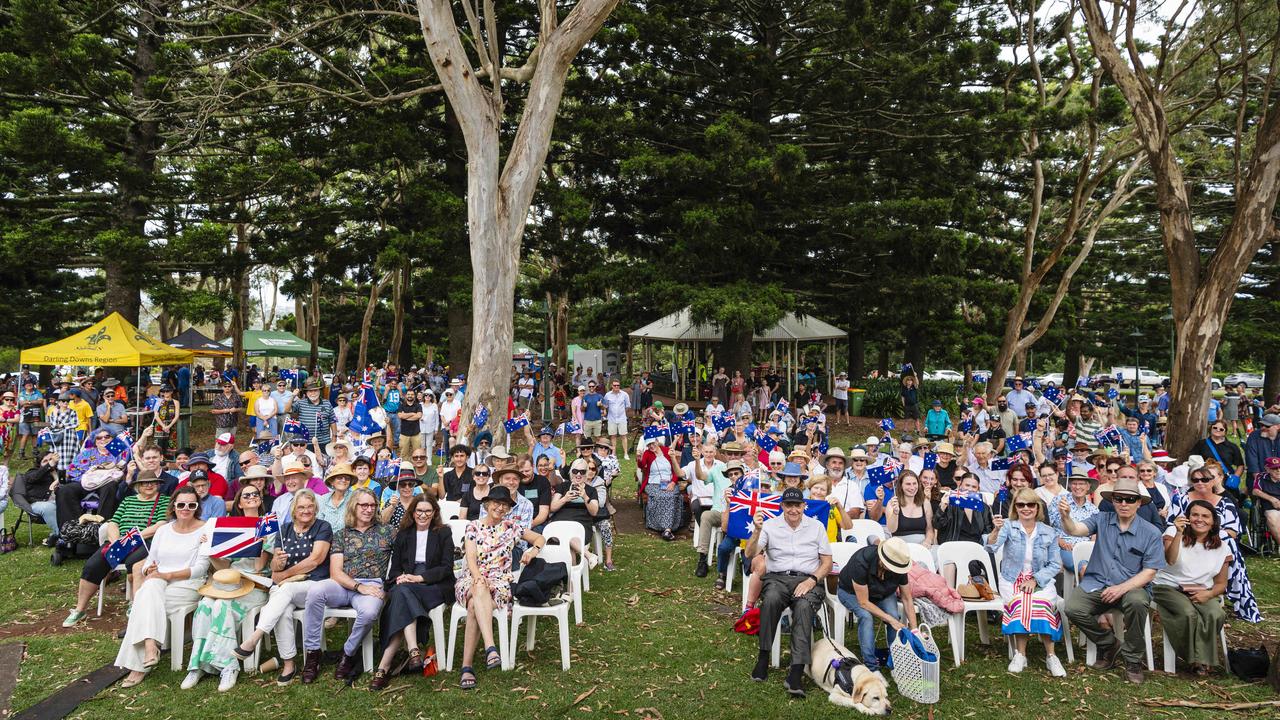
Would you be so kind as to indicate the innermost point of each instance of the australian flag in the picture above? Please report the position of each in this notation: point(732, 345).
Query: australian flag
point(879, 476)
point(886, 424)
point(688, 416)
point(44, 437)
point(823, 445)
point(288, 375)
point(930, 461)
point(968, 501)
point(265, 446)
point(1108, 436)
point(966, 426)
point(1017, 442)
point(1053, 395)
point(1001, 463)
point(235, 537)
point(722, 422)
point(268, 524)
point(116, 552)
point(743, 506)
point(750, 431)
point(683, 427)
point(481, 417)
point(120, 444)
point(783, 406)
point(297, 429)
point(1112, 393)
point(517, 422)
point(568, 428)
point(657, 430)
point(361, 421)
point(819, 510)
point(766, 443)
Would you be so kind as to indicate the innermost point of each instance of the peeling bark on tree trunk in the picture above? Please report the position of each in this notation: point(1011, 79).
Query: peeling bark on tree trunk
point(558, 302)
point(343, 346)
point(374, 289)
point(1201, 292)
point(498, 194)
point(399, 291)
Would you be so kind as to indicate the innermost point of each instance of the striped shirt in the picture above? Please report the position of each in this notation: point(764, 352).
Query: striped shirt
point(134, 512)
point(316, 417)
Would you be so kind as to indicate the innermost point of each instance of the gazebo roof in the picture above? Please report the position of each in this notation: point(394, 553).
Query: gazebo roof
point(677, 327)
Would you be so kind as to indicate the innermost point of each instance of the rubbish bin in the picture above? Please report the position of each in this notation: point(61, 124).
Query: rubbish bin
point(856, 396)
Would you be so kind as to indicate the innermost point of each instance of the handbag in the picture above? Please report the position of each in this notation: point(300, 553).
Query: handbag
point(749, 622)
point(1233, 481)
point(1249, 663)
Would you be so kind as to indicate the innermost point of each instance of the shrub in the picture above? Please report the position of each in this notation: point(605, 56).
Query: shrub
point(881, 399)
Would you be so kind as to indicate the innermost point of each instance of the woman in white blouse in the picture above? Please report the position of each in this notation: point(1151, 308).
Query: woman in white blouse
point(1189, 589)
point(429, 424)
point(169, 577)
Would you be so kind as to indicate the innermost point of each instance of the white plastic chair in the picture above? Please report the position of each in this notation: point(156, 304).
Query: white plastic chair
point(1080, 555)
point(366, 645)
point(840, 554)
point(697, 532)
point(1060, 607)
point(960, 554)
point(565, 531)
point(128, 590)
point(1171, 660)
point(864, 529)
point(503, 620)
point(459, 530)
point(450, 510)
point(178, 633)
point(551, 554)
point(922, 555)
point(775, 656)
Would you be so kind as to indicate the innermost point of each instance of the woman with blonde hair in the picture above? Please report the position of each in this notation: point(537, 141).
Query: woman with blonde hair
point(909, 514)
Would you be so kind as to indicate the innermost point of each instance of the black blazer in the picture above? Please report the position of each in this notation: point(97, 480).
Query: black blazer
point(439, 558)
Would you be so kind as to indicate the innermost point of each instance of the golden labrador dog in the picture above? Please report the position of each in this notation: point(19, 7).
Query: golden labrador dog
point(846, 680)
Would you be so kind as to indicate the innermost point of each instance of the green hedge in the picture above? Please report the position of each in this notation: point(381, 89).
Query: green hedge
point(882, 399)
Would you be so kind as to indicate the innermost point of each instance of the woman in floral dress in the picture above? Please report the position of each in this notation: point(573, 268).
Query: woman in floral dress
point(485, 582)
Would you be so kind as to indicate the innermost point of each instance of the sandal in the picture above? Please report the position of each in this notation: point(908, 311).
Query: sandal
point(468, 680)
point(241, 653)
point(489, 654)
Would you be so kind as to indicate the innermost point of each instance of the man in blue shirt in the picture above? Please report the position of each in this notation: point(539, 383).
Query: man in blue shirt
point(1126, 556)
point(592, 411)
point(1019, 397)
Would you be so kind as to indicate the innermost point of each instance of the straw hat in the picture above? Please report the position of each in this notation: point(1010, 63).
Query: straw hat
point(294, 466)
point(339, 470)
point(1127, 486)
point(945, 447)
point(894, 555)
point(227, 584)
point(351, 449)
point(256, 472)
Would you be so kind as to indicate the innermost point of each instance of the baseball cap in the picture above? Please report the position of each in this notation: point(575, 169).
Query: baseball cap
point(792, 495)
point(1270, 420)
point(1273, 462)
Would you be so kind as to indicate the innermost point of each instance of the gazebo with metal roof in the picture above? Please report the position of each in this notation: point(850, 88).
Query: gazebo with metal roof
point(687, 336)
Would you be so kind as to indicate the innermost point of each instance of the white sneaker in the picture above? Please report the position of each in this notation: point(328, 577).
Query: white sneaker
point(191, 679)
point(228, 680)
point(592, 559)
point(1018, 662)
point(1055, 666)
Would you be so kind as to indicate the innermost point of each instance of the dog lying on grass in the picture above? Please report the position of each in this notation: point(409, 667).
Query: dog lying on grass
point(846, 680)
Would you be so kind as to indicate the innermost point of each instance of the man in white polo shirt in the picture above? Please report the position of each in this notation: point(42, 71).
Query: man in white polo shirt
point(797, 559)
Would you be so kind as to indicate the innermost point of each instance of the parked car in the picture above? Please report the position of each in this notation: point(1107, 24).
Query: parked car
point(1146, 376)
point(1055, 378)
point(949, 375)
point(1250, 380)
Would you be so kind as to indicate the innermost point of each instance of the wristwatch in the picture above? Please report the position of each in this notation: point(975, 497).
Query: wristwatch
point(814, 579)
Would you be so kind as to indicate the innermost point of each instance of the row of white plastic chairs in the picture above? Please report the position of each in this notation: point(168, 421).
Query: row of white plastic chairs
point(508, 620)
point(951, 560)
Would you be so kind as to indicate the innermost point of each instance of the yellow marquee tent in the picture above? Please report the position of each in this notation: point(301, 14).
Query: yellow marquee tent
point(111, 342)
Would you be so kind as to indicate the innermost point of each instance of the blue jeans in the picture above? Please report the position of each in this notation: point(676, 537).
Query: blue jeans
point(866, 623)
point(47, 510)
point(724, 551)
point(394, 421)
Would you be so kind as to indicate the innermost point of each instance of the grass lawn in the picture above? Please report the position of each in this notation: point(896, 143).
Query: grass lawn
point(657, 643)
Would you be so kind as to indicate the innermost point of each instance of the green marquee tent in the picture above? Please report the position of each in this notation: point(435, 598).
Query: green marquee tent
point(276, 343)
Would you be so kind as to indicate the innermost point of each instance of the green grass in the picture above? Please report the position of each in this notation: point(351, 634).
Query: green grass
point(656, 643)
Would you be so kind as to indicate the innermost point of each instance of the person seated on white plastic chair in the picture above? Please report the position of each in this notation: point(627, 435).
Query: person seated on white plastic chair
point(1188, 591)
point(215, 626)
point(792, 477)
point(1026, 578)
point(1125, 559)
point(168, 578)
point(797, 560)
point(485, 583)
point(873, 586)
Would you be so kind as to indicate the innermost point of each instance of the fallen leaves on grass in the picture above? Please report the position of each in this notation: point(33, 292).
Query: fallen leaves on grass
point(1230, 707)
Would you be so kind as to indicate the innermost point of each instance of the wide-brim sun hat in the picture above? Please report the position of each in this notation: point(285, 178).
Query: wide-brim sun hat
point(894, 555)
point(1126, 486)
point(227, 584)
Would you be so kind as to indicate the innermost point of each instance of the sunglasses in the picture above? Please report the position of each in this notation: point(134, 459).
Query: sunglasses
point(248, 495)
point(186, 505)
point(577, 472)
point(1024, 505)
point(1201, 480)
point(419, 457)
point(1124, 499)
point(480, 474)
point(245, 462)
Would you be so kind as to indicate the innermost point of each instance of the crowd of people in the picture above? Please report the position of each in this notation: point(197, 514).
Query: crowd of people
point(361, 523)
